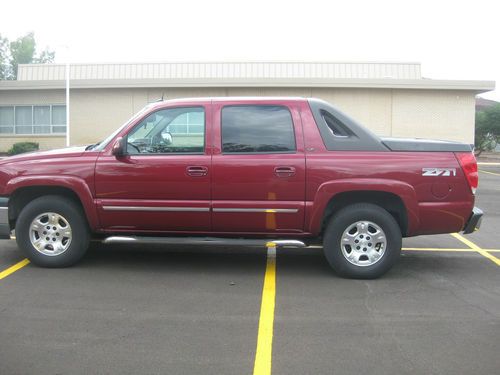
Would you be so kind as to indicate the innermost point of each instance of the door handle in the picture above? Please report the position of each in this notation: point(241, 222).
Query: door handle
point(284, 171)
point(197, 171)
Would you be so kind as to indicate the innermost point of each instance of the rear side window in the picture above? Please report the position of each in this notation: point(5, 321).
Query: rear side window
point(257, 129)
point(337, 128)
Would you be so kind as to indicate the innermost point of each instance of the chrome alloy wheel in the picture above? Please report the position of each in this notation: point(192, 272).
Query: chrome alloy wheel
point(363, 243)
point(50, 234)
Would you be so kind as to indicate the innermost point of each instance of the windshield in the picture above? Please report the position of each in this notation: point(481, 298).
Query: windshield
point(101, 145)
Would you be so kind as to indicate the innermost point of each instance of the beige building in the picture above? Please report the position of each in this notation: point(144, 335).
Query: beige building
point(392, 99)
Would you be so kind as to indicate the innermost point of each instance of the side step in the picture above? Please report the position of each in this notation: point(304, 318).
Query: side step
point(203, 241)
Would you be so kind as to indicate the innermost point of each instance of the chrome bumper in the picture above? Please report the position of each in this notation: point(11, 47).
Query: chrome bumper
point(4, 218)
point(474, 221)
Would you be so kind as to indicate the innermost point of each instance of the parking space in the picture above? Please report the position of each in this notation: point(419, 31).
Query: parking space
point(133, 311)
point(432, 314)
point(191, 310)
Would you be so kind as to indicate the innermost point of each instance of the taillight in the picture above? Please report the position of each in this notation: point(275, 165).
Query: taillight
point(468, 163)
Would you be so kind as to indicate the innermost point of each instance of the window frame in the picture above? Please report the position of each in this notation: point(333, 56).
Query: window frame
point(125, 137)
point(258, 152)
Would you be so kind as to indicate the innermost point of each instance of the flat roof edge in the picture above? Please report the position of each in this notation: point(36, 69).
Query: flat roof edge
point(237, 61)
point(414, 84)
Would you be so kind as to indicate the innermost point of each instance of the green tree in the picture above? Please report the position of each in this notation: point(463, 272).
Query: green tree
point(487, 129)
point(46, 56)
point(4, 57)
point(20, 51)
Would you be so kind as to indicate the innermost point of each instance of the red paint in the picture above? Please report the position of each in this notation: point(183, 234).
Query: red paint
point(303, 182)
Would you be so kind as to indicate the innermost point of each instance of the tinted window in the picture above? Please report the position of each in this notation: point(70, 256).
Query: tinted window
point(336, 127)
point(173, 130)
point(257, 129)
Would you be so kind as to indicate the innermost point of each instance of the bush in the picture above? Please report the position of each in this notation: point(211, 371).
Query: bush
point(22, 147)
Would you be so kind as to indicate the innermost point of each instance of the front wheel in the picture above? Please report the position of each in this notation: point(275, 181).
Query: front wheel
point(52, 232)
point(362, 241)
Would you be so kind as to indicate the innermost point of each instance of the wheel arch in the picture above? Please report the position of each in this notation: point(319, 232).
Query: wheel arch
point(333, 195)
point(391, 202)
point(23, 191)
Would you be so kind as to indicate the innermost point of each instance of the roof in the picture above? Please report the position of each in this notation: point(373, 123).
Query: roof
point(221, 70)
point(231, 99)
point(234, 99)
point(236, 74)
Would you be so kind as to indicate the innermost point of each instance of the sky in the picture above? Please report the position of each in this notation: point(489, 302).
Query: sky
point(452, 39)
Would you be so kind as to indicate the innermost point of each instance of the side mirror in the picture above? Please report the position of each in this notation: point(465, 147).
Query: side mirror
point(167, 138)
point(119, 147)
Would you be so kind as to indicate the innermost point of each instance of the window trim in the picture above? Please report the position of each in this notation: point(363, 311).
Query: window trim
point(295, 151)
point(204, 152)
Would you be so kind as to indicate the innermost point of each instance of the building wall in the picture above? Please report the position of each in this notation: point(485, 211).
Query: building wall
point(95, 113)
point(448, 115)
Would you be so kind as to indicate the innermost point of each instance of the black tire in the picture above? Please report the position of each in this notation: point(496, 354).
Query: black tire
point(346, 218)
point(72, 213)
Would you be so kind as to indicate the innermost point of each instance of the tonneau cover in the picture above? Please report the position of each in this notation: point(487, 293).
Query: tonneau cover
point(417, 144)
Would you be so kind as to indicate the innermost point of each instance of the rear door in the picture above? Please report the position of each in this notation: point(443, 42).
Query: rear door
point(258, 181)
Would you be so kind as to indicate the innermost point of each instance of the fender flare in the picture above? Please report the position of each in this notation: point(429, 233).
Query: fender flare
point(329, 190)
point(75, 184)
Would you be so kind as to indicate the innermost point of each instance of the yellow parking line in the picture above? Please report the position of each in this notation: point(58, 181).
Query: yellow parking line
point(437, 249)
point(263, 354)
point(473, 246)
point(429, 249)
point(496, 174)
point(486, 163)
point(446, 249)
point(13, 268)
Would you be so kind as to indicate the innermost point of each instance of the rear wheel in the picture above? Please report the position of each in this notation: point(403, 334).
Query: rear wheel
point(362, 241)
point(52, 231)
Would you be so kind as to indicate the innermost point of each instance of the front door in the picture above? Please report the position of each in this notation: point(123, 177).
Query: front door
point(163, 183)
point(258, 168)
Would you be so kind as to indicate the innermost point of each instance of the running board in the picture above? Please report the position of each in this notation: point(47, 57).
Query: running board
point(203, 241)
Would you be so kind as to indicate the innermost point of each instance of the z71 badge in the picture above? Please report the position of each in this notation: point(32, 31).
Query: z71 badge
point(439, 172)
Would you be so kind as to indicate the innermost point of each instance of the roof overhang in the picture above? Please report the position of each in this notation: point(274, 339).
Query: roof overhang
point(411, 84)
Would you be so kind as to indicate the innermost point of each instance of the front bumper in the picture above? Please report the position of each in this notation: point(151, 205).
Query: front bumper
point(4, 218)
point(474, 221)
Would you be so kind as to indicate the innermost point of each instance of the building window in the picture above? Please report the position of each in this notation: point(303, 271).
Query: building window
point(33, 119)
point(188, 123)
point(6, 120)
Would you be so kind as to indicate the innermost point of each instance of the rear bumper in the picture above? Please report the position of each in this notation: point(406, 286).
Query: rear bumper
point(474, 221)
point(4, 218)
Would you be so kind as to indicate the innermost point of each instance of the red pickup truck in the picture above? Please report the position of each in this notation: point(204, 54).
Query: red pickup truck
point(241, 171)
